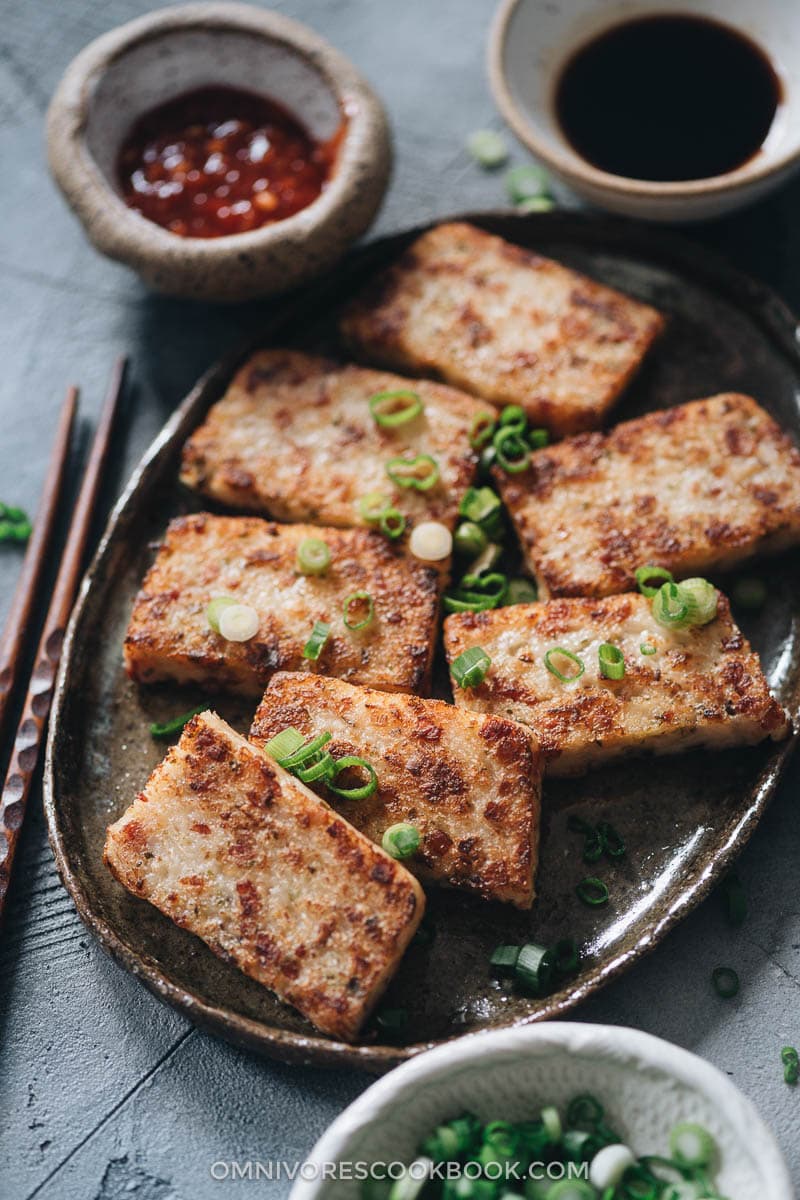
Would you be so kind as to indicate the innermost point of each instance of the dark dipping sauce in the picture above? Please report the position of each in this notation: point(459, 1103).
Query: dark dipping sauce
point(668, 98)
point(220, 160)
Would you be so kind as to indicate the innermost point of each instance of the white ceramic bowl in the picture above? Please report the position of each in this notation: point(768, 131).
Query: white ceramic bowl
point(646, 1085)
point(530, 43)
point(157, 57)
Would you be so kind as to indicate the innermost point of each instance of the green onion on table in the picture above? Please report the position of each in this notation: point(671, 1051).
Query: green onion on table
point(15, 525)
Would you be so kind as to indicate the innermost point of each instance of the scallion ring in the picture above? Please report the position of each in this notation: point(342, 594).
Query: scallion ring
point(321, 769)
point(313, 556)
point(650, 578)
point(593, 847)
point(471, 667)
point(613, 841)
point(572, 658)
point(169, 728)
point(392, 523)
point(401, 840)
point(303, 755)
point(420, 472)
point(526, 182)
point(359, 610)
point(538, 439)
point(215, 608)
point(552, 1123)
point(373, 506)
point(647, 649)
point(359, 791)
point(791, 1065)
point(725, 981)
point(492, 583)
point(692, 1145)
point(612, 661)
point(460, 602)
point(488, 147)
point(482, 431)
point(513, 454)
point(469, 539)
point(284, 744)
point(504, 960)
point(514, 417)
point(669, 606)
point(702, 599)
point(316, 643)
point(584, 1112)
point(483, 506)
point(592, 891)
point(534, 968)
point(391, 409)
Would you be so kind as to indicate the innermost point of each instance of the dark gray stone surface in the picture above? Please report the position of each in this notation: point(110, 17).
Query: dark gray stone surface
point(103, 1093)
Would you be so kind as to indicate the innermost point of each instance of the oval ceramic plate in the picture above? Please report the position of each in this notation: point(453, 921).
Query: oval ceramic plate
point(683, 823)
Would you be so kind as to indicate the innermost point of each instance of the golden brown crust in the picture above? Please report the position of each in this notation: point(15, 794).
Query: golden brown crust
point(294, 437)
point(691, 488)
point(254, 561)
point(505, 324)
point(470, 784)
point(702, 686)
point(236, 851)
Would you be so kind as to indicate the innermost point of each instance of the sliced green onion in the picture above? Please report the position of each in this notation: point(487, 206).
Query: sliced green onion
point(584, 1112)
point(592, 891)
point(514, 416)
point(401, 840)
point(238, 622)
point(487, 461)
point(692, 1145)
point(410, 1184)
point(669, 606)
point(791, 1065)
point(483, 506)
point(373, 506)
point(305, 753)
point(504, 960)
point(488, 148)
point(645, 649)
point(702, 598)
point(313, 556)
point(215, 608)
point(169, 728)
point(321, 769)
point(613, 842)
point(471, 667)
point(735, 899)
point(284, 744)
point(534, 968)
point(359, 791)
point(392, 523)
point(513, 453)
point(420, 472)
point(15, 525)
point(749, 593)
point(521, 591)
point(725, 981)
point(650, 578)
point(535, 204)
point(573, 658)
point(592, 847)
point(363, 603)
point(493, 584)
point(469, 539)
point(482, 431)
point(391, 409)
point(316, 643)
point(552, 1123)
point(612, 661)
point(526, 182)
point(566, 957)
point(488, 558)
point(431, 541)
point(459, 602)
point(538, 438)
point(392, 1021)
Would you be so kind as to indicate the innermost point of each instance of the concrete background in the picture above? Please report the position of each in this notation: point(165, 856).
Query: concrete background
point(103, 1093)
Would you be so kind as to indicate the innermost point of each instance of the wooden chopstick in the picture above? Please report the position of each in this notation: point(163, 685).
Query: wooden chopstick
point(14, 637)
point(30, 732)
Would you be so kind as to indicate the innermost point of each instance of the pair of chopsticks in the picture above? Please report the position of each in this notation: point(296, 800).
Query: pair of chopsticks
point(36, 707)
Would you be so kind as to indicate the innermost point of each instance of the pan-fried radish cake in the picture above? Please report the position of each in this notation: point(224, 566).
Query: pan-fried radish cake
point(505, 324)
point(230, 600)
point(237, 851)
point(466, 785)
point(693, 488)
point(302, 438)
point(595, 679)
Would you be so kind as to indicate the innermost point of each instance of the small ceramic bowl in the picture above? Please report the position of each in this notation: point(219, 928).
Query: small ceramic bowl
point(140, 65)
point(532, 40)
point(646, 1085)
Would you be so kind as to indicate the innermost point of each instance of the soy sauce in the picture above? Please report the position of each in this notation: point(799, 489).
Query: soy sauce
point(668, 98)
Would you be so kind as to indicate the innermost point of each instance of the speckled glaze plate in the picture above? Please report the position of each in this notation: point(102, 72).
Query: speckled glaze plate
point(684, 822)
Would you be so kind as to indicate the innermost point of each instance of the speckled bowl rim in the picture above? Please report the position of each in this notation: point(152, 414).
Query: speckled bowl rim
point(580, 173)
point(319, 1050)
point(123, 233)
point(628, 1048)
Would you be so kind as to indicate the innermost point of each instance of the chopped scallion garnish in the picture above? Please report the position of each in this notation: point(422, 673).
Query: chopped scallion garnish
point(488, 558)
point(284, 744)
point(526, 182)
point(391, 409)
point(359, 610)
point(482, 431)
point(725, 981)
point(534, 968)
point(303, 755)
point(492, 583)
point(15, 525)
point(613, 842)
point(169, 728)
point(392, 523)
point(316, 643)
point(313, 556)
point(215, 608)
point(538, 438)
point(321, 768)
point(373, 506)
point(650, 578)
point(592, 891)
point(670, 608)
point(536, 204)
point(645, 648)
point(358, 791)
point(552, 1123)
point(471, 667)
point(577, 664)
point(702, 599)
point(514, 416)
point(612, 661)
point(791, 1065)
point(420, 472)
point(692, 1145)
point(483, 506)
point(401, 840)
point(469, 539)
point(504, 960)
point(488, 148)
point(513, 452)
point(584, 1112)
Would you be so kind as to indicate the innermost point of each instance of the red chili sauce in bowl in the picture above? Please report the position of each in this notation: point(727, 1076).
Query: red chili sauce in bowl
point(220, 160)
